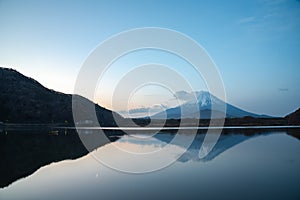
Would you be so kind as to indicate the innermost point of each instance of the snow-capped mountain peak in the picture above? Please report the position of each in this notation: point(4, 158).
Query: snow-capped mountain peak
point(203, 98)
point(206, 104)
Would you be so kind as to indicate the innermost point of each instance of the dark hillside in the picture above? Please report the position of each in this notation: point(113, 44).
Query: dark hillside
point(294, 118)
point(24, 100)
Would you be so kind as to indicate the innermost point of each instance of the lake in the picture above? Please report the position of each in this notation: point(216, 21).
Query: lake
point(244, 164)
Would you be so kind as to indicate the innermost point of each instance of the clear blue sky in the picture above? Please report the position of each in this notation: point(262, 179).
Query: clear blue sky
point(255, 44)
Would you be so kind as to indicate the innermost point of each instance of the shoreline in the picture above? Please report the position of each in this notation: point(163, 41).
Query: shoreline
point(15, 126)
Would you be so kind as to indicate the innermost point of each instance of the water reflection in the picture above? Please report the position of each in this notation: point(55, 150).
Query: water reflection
point(242, 166)
point(24, 151)
point(256, 164)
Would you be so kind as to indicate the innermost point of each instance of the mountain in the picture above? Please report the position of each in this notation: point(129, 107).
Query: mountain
point(294, 117)
point(24, 100)
point(205, 101)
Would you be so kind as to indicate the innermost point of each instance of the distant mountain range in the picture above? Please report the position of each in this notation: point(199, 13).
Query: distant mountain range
point(207, 104)
point(24, 100)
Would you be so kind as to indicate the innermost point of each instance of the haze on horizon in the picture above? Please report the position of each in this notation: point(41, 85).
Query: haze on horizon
point(255, 45)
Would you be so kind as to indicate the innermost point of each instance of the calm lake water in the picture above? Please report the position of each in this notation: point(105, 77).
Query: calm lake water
point(262, 164)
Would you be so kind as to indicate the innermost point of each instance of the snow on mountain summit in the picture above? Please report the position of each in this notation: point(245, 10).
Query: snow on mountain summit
point(205, 104)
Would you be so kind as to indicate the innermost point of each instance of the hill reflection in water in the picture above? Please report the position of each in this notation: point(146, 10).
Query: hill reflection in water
point(23, 152)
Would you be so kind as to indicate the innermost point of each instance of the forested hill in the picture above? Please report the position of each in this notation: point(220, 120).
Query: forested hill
point(24, 100)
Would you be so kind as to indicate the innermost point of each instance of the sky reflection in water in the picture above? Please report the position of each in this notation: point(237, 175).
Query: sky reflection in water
point(240, 167)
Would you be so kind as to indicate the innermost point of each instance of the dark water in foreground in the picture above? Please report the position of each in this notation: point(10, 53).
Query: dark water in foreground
point(261, 165)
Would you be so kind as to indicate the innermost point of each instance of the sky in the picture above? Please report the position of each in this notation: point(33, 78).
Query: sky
point(254, 44)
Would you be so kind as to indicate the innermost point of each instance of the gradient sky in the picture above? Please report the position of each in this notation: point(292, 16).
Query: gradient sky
point(255, 44)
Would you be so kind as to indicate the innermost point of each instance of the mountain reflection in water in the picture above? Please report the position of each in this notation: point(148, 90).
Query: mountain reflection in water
point(24, 152)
